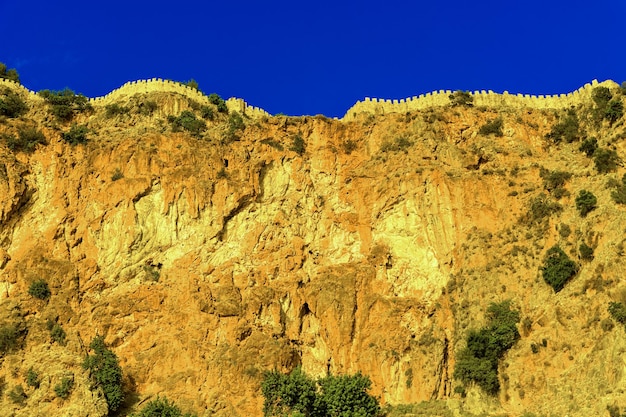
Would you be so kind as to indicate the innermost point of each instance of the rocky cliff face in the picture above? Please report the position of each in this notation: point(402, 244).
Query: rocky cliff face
point(204, 262)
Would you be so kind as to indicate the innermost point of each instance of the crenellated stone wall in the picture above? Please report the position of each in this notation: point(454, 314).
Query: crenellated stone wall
point(369, 105)
point(19, 88)
point(159, 85)
point(481, 98)
point(149, 86)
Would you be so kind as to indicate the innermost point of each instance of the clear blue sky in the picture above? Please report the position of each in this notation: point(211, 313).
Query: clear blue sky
point(316, 57)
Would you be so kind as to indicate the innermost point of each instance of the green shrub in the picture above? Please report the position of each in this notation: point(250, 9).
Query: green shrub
point(295, 392)
point(187, 121)
point(235, 122)
point(614, 411)
point(558, 268)
point(605, 160)
point(206, 113)
point(17, 395)
point(541, 208)
point(346, 395)
point(298, 145)
point(492, 127)
point(478, 362)
point(586, 252)
point(27, 140)
point(298, 394)
point(9, 338)
point(11, 104)
point(192, 84)
point(585, 202)
point(65, 104)
point(58, 334)
point(601, 96)
point(147, 108)
point(117, 175)
point(273, 143)
point(618, 312)
point(32, 378)
point(112, 110)
point(461, 98)
point(105, 372)
point(160, 407)
point(589, 146)
point(564, 230)
point(64, 388)
point(39, 289)
point(348, 146)
point(619, 194)
point(614, 110)
point(77, 135)
point(217, 100)
point(400, 143)
point(567, 130)
point(9, 74)
point(554, 181)
point(222, 173)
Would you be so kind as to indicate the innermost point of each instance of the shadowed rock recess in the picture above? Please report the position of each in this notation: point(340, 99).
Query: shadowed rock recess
point(209, 245)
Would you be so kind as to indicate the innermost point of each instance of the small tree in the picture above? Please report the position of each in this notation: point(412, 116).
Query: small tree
point(558, 268)
point(567, 130)
point(298, 145)
point(106, 372)
point(492, 127)
point(285, 393)
point(56, 332)
point(478, 362)
point(347, 395)
point(586, 252)
point(9, 338)
point(64, 388)
point(9, 74)
point(461, 98)
point(187, 121)
point(589, 146)
point(332, 396)
point(77, 135)
point(17, 395)
point(605, 160)
point(619, 194)
point(192, 84)
point(32, 378)
point(11, 104)
point(614, 110)
point(618, 312)
point(160, 407)
point(585, 202)
point(39, 289)
point(219, 102)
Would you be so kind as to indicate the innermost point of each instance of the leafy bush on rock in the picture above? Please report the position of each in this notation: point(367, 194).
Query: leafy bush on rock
point(558, 268)
point(106, 372)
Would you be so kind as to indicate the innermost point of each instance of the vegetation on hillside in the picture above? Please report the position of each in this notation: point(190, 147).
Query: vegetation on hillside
point(160, 407)
point(11, 104)
point(106, 372)
point(554, 200)
point(65, 104)
point(558, 268)
point(478, 362)
point(9, 73)
point(298, 394)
